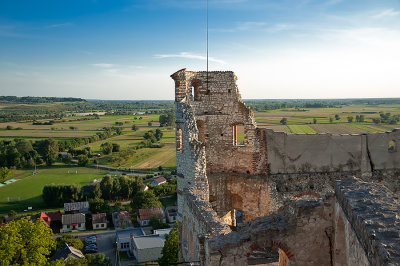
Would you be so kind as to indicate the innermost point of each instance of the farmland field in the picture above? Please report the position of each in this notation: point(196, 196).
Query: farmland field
point(302, 121)
point(28, 190)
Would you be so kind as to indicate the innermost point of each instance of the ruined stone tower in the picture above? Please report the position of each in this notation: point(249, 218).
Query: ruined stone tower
point(245, 191)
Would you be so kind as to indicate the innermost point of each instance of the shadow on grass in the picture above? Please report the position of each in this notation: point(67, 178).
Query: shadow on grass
point(20, 205)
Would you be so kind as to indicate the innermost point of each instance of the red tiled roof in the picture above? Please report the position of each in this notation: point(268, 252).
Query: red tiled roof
point(43, 217)
point(160, 180)
point(54, 216)
point(146, 214)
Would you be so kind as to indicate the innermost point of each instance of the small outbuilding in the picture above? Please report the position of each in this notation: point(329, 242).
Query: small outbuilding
point(145, 215)
point(99, 221)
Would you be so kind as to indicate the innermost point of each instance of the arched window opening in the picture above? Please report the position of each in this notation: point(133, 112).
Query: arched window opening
point(340, 243)
point(196, 92)
point(237, 207)
point(179, 139)
point(392, 146)
point(239, 134)
point(201, 126)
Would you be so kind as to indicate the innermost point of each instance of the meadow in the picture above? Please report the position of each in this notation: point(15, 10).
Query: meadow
point(27, 191)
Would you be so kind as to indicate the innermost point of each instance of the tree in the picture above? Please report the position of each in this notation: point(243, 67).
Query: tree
point(23, 242)
point(98, 206)
point(67, 159)
point(166, 119)
point(149, 135)
point(70, 240)
point(156, 223)
point(330, 120)
point(314, 120)
point(49, 151)
point(149, 124)
point(283, 121)
point(134, 127)
point(357, 118)
point(170, 251)
point(115, 147)
point(12, 214)
point(362, 118)
point(83, 160)
point(337, 117)
point(350, 119)
point(159, 134)
point(106, 147)
point(106, 186)
point(137, 185)
point(4, 172)
point(145, 200)
point(96, 191)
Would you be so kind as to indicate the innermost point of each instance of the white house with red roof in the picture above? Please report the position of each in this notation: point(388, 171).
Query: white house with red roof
point(159, 181)
point(144, 215)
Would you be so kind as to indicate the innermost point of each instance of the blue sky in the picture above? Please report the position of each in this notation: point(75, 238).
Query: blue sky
point(126, 49)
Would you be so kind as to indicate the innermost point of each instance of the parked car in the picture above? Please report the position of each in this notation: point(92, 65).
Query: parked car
point(91, 248)
point(90, 240)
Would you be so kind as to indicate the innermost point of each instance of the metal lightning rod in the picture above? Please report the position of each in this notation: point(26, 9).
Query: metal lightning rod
point(207, 45)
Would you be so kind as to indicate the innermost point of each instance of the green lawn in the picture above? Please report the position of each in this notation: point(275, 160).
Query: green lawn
point(301, 129)
point(27, 191)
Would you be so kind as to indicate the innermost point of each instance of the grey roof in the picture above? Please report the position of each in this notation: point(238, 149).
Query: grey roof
point(150, 241)
point(76, 218)
point(65, 251)
point(125, 234)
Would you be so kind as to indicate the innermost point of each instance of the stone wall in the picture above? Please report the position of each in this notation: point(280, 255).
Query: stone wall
point(282, 184)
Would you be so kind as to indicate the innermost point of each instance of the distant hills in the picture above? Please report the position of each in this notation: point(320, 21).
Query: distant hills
point(31, 99)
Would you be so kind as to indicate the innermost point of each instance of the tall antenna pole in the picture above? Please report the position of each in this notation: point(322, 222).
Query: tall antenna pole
point(207, 46)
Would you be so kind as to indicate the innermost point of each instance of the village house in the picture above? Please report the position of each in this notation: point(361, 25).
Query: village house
point(121, 220)
point(147, 248)
point(159, 181)
point(145, 215)
point(46, 220)
point(123, 237)
point(99, 221)
point(170, 213)
point(73, 222)
point(67, 253)
point(75, 207)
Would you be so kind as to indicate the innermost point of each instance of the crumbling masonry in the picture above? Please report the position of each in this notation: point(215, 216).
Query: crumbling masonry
point(272, 197)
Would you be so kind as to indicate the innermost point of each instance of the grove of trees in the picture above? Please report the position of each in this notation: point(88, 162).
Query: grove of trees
point(24, 242)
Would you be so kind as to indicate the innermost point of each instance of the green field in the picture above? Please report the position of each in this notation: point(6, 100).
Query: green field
point(302, 121)
point(28, 190)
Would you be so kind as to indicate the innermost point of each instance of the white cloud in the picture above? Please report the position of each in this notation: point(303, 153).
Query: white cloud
point(187, 55)
point(103, 65)
point(388, 13)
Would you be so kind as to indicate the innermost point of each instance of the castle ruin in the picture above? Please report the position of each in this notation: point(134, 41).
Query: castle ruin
point(272, 197)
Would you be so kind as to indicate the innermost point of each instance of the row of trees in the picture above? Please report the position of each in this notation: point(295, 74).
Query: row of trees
point(108, 189)
point(22, 153)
